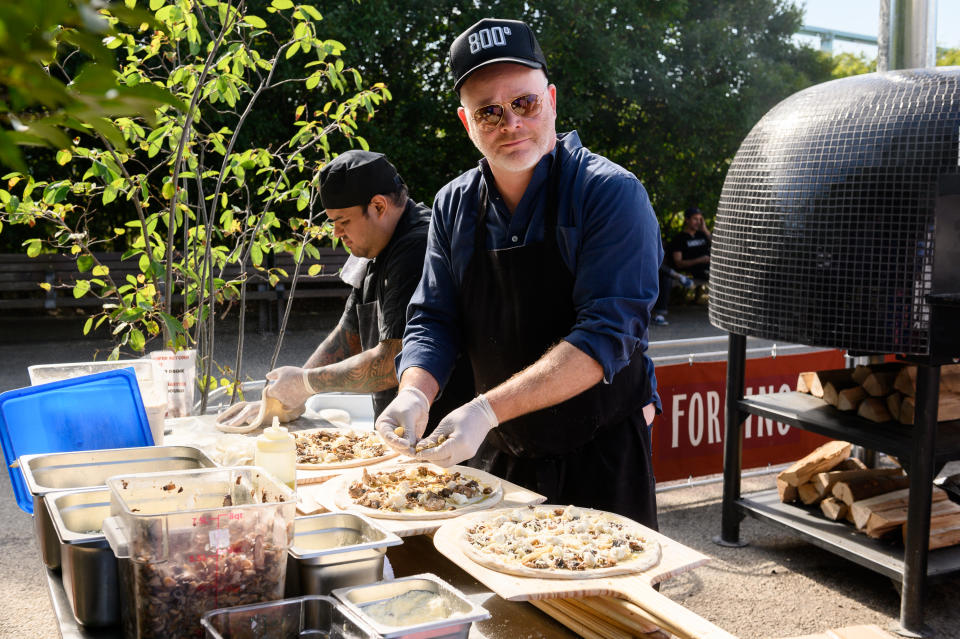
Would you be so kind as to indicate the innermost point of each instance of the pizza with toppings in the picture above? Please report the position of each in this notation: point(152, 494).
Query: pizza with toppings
point(558, 542)
point(333, 448)
point(418, 491)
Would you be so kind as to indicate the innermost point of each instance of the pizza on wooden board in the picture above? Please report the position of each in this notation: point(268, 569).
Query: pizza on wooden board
point(333, 448)
point(418, 491)
point(558, 542)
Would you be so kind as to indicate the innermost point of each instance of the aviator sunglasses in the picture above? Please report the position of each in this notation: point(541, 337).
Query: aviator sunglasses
point(489, 117)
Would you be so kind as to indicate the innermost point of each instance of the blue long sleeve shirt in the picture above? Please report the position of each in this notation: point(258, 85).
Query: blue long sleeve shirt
point(608, 237)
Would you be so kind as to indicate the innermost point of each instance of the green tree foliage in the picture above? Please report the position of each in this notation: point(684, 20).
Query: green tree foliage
point(847, 64)
point(666, 88)
point(948, 57)
point(201, 210)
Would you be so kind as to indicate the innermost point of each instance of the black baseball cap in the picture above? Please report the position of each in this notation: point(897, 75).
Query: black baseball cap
point(354, 177)
point(491, 41)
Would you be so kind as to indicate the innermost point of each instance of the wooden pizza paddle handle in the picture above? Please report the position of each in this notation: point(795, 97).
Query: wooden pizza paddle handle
point(670, 615)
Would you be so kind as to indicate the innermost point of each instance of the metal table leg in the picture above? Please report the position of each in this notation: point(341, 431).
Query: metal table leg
point(733, 443)
point(921, 492)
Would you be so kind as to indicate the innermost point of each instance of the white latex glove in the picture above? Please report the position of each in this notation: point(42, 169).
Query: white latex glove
point(458, 435)
point(240, 414)
point(404, 419)
point(289, 386)
point(247, 416)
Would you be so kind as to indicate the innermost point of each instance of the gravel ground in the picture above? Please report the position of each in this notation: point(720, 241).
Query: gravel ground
point(777, 586)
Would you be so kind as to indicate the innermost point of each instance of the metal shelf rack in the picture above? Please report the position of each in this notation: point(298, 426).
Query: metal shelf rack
point(921, 448)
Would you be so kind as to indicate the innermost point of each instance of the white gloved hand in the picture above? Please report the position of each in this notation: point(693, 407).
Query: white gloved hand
point(289, 386)
point(458, 435)
point(404, 419)
point(247, 416)
point(240, 414)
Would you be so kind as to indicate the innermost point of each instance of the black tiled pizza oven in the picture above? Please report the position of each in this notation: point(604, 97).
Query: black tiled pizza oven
point(839, 221)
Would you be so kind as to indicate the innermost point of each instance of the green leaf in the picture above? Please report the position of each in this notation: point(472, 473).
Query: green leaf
point(292, 51)
point(281, 4)
point(88, 325)
point(84, 262)
point(255, 22)
point(33, 247)
point(136, 339)
point(81, 288)
point(144, 263)
point(100, 270)
point(314, 269)
point(63, 157)
point(167, 190)
point(312, 11)
point(109, 194)
point(156, 4)
point(256, 254)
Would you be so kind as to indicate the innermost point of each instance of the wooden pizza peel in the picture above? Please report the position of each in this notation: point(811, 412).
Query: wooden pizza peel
point(636, 589)
point(324, 495)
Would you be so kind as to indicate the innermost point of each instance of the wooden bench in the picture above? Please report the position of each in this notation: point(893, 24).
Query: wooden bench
point(21, 278)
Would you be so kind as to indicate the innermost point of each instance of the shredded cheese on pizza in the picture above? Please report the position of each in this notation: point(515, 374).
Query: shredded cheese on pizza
point(331, 445)
point(556, 538)
point(417, 489)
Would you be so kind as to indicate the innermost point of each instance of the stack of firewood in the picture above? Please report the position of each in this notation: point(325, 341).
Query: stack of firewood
point(872, 499)
point(881, 392)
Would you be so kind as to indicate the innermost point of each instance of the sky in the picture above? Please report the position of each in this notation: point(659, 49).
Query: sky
point(863, 16)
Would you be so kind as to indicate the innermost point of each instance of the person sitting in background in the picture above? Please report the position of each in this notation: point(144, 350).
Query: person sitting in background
point(690, 249)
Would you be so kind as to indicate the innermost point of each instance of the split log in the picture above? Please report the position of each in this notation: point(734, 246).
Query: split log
point(822, 459)
point(788, 493)
point(874, 409)
point(842, 377)
point(948, 408)
point(809, 494)
point(882, 522)
point(880, 383)
point(850, 463)
point(804, 380)
point(861, 373)
point(944, 530)
point(849, 398)
point(850, 492)
point(825, 481)
point(906, 381)
point(833, 509)
point(894, 400)
point(863, 508)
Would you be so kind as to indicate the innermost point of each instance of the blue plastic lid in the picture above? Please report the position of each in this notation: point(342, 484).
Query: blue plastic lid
point(103, 410)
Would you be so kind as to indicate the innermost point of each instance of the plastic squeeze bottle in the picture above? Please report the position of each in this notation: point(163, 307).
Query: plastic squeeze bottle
point(276, 452)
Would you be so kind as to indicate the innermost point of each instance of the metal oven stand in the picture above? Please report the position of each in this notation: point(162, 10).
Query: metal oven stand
point(921, 448)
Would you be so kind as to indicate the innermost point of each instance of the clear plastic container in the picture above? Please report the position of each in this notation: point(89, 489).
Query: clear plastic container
point(193, 541)
point(276, 452)
point(150, 379)
point(311, 616)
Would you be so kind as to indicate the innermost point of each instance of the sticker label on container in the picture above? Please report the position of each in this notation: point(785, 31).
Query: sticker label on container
point(219, 538)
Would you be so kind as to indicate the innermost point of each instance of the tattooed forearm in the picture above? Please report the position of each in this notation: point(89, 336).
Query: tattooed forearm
point(339, 345)
point(370, 371)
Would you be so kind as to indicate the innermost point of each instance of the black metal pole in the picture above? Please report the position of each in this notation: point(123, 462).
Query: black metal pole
point(922, 469)
point(733, 442)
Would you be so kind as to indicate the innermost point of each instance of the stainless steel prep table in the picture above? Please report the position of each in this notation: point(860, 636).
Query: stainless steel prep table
point(510, 619)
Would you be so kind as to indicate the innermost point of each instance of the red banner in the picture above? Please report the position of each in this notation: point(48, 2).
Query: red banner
point(688, 436)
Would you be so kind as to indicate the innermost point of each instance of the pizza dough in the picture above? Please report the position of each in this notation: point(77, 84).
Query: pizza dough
point(418, 492)
point(558, 542)
point(334, 448)
point(336, 416)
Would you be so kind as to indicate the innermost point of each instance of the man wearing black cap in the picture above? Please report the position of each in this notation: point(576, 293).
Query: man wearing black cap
point(543, 262)
point(373, 216)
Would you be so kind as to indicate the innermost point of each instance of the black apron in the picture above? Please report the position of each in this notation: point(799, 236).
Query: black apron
point(592, 450)
point(458, 391)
